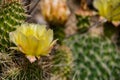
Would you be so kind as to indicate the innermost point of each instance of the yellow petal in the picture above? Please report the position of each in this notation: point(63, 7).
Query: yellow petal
point(22, 43)
point(53, 43)
point(32, 45)
point(49, 37)
point(40, 47)
point(40, 31)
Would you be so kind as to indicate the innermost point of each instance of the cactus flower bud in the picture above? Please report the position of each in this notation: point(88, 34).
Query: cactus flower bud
point(55, 10)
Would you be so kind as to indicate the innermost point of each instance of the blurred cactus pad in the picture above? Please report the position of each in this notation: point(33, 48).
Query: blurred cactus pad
point(94, 58)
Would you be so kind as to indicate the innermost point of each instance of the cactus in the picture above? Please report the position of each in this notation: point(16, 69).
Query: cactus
point(57, 67)
point(61, 63)
point(82, 23)
point(23, 70)
point(11, 14)
point(94, 58)
point(5, 64)
point(109, 29)
point(118, 40)
point(59, 32)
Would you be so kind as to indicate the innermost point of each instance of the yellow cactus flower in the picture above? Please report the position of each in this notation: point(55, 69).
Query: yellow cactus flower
point(109, 9)
point(55, 10)
point(33, 40)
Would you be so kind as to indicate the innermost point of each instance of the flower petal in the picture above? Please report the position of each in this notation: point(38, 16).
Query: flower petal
point(31, 58)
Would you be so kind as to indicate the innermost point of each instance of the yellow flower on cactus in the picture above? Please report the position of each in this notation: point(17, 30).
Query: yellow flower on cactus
point(55, 11)
point(109, 9)
point(33, 40)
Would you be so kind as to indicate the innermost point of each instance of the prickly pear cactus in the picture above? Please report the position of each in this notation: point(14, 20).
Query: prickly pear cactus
point(94, 58)
point(11, 14)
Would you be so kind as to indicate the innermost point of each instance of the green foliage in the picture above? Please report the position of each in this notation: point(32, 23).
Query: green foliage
point(11, 14)
point(95, 58)
point(83, 23)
